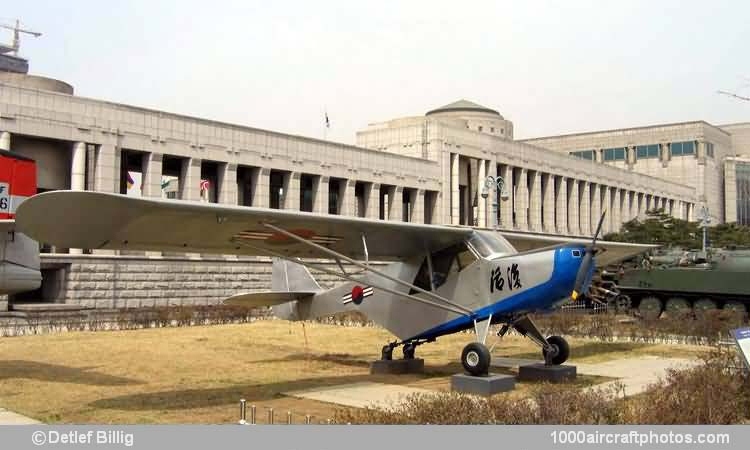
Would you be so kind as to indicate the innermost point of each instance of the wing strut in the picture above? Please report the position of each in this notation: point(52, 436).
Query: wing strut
point(353, 279)
point(334, 254)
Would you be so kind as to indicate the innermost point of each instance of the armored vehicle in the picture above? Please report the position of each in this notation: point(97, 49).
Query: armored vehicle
point(684, 281)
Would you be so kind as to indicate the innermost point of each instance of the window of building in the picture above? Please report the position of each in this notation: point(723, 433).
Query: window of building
point(479, 128)
point(647, 151)
point(710, 149)
point(682, 148)
point(492, 129)
point(615, 154)
point(584, 154)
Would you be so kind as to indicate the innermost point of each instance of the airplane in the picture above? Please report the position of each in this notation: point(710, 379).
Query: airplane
point(439, 280)
point(19, 260)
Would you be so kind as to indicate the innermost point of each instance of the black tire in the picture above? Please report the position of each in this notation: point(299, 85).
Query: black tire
point(623, 304)
point(702, 306)
point(476, 359)
point(562, 350)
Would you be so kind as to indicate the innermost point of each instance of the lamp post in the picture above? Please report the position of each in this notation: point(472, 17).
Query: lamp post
point(705, 220)
point(496, 184)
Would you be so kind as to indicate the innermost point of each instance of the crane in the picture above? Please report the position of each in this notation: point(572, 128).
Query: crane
point(732, 94)
point(17, 30)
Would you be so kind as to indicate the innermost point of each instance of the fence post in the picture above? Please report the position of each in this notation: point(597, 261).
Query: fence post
point(242, 412)
point(270, 416)
point(288, 417)
point(252, 415)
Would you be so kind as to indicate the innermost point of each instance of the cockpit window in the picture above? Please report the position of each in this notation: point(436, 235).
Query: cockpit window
point(444, 263)
point(576, 253)
point(487, 244)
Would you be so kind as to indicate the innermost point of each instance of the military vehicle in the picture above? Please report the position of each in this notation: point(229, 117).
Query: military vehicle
point(680, 281)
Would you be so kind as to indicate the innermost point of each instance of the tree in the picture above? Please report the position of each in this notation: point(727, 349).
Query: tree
point(661, 228)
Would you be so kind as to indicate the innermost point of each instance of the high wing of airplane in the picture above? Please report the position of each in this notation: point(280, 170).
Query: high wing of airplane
point(440, 280)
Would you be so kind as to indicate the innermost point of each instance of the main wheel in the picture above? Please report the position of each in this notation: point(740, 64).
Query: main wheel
point(560, 350)
point(623, 304)
point(476, 359)
point(734, 305)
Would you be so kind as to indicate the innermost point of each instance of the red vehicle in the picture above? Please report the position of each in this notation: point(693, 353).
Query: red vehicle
point(19, 255)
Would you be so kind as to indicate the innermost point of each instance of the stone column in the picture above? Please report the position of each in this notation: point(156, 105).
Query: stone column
point(78, 175)
point(372, 194)
point(617, 217)
point(190, 179)
point(522, 200)
point(417, 206)
point(506, 206)
point(347, 198)
point(481, 201)
point(574, 225)
point(5, 140)
point(396, 204)
point(292, 192)
point(78, 167)
point(151, 175)
point(596, 206)
point(107, 168)
point(493, 196)
point(585, 207)
point(607, 201)
point(642, 205)
point(455, 199)
point(632, 205)
point(227, 180)
point(548, 199)
point(561, 187)
point(321, 194)
point(535, 202)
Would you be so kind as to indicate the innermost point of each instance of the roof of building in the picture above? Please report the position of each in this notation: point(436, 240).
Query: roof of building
point(463, 105)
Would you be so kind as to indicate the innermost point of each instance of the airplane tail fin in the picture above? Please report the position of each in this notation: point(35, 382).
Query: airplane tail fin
point(291, 283)
point(288, 276)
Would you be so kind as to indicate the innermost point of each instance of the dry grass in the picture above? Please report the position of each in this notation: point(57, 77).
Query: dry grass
point(198, 374)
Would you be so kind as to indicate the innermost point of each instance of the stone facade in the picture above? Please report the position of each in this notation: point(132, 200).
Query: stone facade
point(429, 169)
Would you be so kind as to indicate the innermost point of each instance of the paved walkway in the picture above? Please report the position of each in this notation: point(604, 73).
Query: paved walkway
point(361, 395)
point(11, 418)
point(634, 374)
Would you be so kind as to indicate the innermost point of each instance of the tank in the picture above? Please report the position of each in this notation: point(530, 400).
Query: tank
point(682, 282)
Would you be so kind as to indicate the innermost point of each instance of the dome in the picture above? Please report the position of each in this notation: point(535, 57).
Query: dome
point(464, 106)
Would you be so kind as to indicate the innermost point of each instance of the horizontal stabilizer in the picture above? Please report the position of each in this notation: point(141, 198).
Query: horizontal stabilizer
point(258, 299)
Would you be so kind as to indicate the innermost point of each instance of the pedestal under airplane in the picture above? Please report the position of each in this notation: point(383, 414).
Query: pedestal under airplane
point(440, 279)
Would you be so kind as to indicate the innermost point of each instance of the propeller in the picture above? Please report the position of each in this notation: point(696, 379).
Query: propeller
point(588, 259)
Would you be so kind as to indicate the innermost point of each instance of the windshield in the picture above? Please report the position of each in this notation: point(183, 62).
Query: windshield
point(490, 244)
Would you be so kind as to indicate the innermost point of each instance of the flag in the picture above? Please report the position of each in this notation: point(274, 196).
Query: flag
point(328, 122)
point(130, 181)
point(164, 183)
point(204, 185)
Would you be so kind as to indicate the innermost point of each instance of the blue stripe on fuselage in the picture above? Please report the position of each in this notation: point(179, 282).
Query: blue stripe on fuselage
point(540, 297)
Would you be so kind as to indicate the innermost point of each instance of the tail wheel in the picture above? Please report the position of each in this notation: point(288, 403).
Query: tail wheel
point(703, 305)
point(677, 306)
point(650, 308)
point(560, 350)
point(476, 359)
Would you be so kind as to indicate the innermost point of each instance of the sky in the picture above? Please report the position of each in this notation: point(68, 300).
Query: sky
point(551, 67)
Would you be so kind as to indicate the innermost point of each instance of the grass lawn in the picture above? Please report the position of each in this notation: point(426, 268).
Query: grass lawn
point(198, 374)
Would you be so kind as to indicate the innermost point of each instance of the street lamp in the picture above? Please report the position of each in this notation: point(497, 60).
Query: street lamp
point(496, 184)
point(705, 220)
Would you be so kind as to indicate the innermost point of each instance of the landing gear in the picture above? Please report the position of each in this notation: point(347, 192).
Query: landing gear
point(555, 349)
point(409, 349)
point(558, 352)
point(476, 359)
